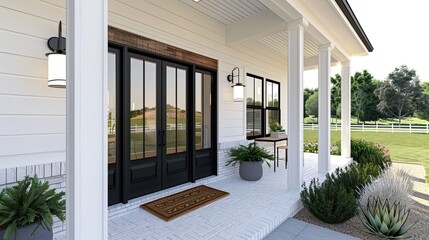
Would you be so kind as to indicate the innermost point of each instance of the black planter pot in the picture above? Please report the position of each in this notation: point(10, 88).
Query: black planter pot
point(24, 233)
point(251, 171)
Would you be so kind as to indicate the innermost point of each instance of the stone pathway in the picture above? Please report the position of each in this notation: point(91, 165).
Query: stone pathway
point(299, 230)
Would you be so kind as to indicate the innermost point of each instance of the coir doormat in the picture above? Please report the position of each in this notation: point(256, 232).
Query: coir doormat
point(176, 205)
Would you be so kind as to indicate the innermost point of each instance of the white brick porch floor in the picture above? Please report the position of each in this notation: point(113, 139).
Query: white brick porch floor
point(252, 210)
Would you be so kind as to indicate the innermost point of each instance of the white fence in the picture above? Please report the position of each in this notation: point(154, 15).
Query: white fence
point(393, 128)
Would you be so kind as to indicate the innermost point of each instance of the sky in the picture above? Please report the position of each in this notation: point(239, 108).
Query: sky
point(399, 33)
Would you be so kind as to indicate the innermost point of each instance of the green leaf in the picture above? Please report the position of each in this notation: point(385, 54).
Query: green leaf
point(30, 201)
point(11, 229)
point(384, 229)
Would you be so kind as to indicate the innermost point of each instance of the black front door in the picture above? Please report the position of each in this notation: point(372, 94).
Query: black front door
point(157, 125)
point(161, 123)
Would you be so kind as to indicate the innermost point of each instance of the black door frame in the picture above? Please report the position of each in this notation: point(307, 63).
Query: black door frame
point(123, 113)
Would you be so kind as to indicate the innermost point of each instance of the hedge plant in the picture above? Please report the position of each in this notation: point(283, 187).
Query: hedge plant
point(330, 201)
point(336, 199)
point(355, 176)
point(368, 152)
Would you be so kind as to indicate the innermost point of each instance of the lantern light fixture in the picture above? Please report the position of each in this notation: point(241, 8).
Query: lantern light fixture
point(57, 60)
point(238, 88)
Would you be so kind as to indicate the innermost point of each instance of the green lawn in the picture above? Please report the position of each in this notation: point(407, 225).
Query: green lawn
point(404, 147)
point(405, 120)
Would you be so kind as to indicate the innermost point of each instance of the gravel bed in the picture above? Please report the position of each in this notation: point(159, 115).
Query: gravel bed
point(419, 210)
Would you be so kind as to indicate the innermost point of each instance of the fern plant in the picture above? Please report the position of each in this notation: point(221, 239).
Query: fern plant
point(249, 153)
point(30, 201)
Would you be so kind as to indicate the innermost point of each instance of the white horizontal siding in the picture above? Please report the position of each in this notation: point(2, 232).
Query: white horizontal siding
point(27, 86)
point(23, 105)
point(31, 125)
point(28, 144)
point(32, 115)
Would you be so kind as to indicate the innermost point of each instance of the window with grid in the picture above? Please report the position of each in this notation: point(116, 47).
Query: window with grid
point(273, 104)
point(255, 106)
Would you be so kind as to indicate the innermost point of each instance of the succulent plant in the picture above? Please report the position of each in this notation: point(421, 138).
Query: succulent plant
point(385, 220)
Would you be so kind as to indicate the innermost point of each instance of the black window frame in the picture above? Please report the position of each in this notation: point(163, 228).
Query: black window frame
point(255, 107)
point(272, 108)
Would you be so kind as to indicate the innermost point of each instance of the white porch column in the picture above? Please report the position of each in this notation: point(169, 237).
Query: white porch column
point(295, 102)
point(345, 109)
point(324, 108)
point(86, 120)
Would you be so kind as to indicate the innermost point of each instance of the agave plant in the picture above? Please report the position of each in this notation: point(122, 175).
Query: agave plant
point(30, 201)
point(385, 220)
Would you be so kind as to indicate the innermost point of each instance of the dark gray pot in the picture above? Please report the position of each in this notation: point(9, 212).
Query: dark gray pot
point(251, 171)
point(24, 233)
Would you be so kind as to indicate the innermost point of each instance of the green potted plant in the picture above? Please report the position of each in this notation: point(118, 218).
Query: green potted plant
point(277, 130)
point(27, 210)
point(250, 158)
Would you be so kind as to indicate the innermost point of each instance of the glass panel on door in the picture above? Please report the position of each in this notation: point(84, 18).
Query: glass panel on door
point(202, 110)
point(111, 106)
point(150, 109)
point(143, 109)
point(176, 110)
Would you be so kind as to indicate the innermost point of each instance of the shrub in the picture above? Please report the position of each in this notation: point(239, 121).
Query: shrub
point(329, 201)
point(367, 152)
point(393, 185)
point(385, 220)
point(355, 176)
point(311, 147)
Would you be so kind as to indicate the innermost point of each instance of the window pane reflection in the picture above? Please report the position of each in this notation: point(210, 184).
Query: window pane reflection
point(250, 92)
point(269, 94)
point(181, 110)
point(111, 106)
point(150, 109)
point(258, 92)
point(137, 109)
point(202, 111)
point(176, 110)
point(276, 89)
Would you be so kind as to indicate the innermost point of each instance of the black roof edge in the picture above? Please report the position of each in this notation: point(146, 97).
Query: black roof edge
point(351, 17)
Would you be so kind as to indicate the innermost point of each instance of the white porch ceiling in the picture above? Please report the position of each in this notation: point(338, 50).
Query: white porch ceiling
point(229, 11)
point(278, 42)
point(241, 14)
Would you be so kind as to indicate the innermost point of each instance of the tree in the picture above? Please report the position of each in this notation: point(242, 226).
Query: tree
point(311, 105)
point(423, 111)
point(307, 93)
point(364, 101)
point(425, 87)
point(400, 94)
point(336, 96)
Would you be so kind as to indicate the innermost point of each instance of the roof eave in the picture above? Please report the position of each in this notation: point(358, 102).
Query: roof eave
point(351, 17)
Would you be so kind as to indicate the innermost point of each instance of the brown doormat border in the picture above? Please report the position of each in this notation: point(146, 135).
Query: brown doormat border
point(178, 204)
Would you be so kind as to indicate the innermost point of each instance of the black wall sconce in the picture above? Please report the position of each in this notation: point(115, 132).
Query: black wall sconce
point(238, 88)
point(57, 60)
